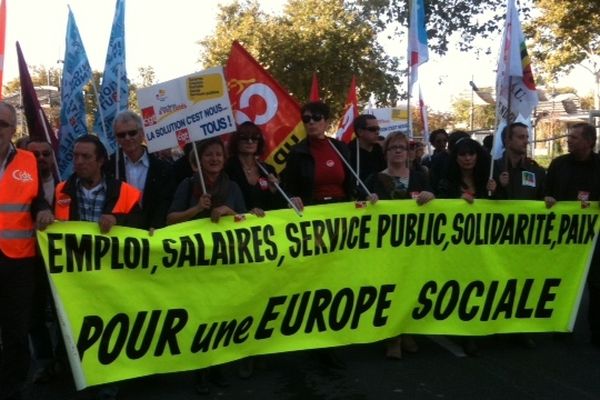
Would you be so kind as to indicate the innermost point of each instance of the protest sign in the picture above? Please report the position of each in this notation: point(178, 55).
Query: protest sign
point(198, 293)
point(390, 119)
point(190, 108)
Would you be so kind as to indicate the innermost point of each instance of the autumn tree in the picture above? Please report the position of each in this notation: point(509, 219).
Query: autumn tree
point(323, 36)
point(567, 33)
point(484, 116)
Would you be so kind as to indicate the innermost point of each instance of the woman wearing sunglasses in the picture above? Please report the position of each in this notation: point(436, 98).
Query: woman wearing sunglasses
point(245, 147)
point(314, 172)
point(399, 181)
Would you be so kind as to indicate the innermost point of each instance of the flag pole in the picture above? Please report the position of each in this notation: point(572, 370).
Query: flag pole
point(199, 166)
point(41, 114)
point(347, 164)
point(279, 189)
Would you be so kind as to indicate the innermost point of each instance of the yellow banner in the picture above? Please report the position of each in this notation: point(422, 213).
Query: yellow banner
point(199, 294)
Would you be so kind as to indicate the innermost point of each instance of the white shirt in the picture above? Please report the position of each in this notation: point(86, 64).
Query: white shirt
point(49, 189)
point(136, 172)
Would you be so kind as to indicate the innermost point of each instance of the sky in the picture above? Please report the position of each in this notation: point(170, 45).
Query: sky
point(164, 35)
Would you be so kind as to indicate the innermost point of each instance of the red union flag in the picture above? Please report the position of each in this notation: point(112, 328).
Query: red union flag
point(345, 131)
point(255, 96)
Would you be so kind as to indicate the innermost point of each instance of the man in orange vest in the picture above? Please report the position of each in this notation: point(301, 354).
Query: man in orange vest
point(22, 209)
point(89, 195)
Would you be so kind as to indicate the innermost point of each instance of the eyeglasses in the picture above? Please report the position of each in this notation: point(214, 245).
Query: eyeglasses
point(373, 129)
point(131, 133)
point(308, 117)
point(247, 138)
point(46, 153)
point(4, 124)
point(396, 148)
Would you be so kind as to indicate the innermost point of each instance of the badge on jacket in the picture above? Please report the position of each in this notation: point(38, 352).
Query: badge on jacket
point(528, 178)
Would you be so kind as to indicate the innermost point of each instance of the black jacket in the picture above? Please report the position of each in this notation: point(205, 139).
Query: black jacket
point(158, 190)
point(298, 176)
point(525, 180)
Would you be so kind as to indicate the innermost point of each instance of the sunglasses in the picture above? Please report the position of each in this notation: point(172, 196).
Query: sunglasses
point(46, 153)
point(4, 124)
point(373, 129)
point(396, 148)
point(247, 138)
point(131, 133)
point(315, 117)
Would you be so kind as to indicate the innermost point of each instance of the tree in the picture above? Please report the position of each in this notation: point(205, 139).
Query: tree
point(484, 116)
point(324, 36)
point(41, 76)
point(469, 19)
point(565, 34)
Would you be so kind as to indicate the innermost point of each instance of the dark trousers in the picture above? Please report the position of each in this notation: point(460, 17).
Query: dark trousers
point(42, 313)
point(16, 293)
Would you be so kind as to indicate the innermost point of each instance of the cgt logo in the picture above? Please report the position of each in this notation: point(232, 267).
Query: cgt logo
point(22, 176)
point(269, 98)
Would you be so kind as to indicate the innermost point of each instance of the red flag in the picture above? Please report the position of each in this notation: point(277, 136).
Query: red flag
point(345, 131)
point(2, 39)
point(314, 89)
point(37, 123)
point(255, 96)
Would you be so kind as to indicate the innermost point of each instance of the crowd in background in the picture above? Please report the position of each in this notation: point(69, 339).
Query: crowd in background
point(213, 180)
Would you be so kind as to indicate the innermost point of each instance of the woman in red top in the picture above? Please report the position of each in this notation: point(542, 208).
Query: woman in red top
point(314, 172)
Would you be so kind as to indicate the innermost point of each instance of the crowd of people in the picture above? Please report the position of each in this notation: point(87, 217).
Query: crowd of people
point(149, 191)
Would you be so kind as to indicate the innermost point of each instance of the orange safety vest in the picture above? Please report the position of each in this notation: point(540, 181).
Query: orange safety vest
point(18, 188)
point(129, 196)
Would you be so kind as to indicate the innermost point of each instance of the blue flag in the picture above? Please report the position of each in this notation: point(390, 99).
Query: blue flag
point(76, 74)
point(114, 93)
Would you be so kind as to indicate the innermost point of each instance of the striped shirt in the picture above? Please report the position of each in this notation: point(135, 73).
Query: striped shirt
point(91, 201)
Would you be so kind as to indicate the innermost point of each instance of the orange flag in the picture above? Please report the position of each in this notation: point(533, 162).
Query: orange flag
point(345, 131)
point(2, 40)
point(256, 96)
point(314, 89)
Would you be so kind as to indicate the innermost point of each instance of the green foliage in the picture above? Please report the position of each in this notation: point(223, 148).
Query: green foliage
point(484, 116)
point(445, 19)
point(324, 36)
point(566, 33)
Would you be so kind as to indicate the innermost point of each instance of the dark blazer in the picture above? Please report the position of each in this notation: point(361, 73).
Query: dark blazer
point(254, 196)
point(158, 190)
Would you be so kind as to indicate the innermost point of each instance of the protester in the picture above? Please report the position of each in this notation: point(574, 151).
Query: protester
point(223, 196)
point(246, 145)
point(488, 143)
point(146, 172)
point(398, 181)
point(415, 154)
point(370, 158)
point(438, 140)
point(48, 366)
point(89, 195)
point(519, 177)
point(315, 172)
point(576, 176)
point(468, 171)
point(22, 209)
